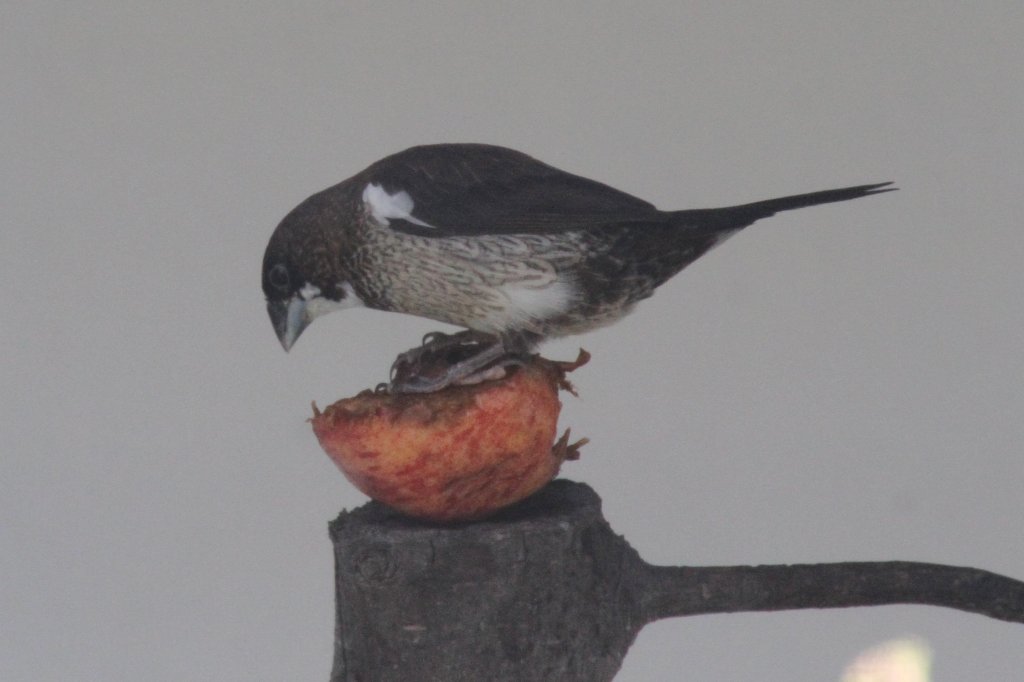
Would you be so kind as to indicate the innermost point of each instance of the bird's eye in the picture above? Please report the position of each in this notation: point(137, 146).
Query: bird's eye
point(278, 277)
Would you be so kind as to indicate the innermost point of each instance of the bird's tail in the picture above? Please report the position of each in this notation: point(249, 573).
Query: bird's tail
point(763, 209)
point(735, 217)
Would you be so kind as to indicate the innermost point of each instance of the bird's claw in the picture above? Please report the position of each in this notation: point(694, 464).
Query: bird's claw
point(451, 360)
point(456, 375)
point(439, 344)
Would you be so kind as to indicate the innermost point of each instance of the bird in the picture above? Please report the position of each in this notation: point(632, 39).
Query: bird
point(489, 239)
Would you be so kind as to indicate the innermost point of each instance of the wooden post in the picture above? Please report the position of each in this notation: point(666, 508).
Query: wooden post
point(546, 590)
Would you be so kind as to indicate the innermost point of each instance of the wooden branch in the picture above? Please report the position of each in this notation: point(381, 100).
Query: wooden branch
point(546, 590)
point(683, 591)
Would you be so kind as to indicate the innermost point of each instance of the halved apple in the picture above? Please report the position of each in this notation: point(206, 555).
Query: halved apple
point(456, 454)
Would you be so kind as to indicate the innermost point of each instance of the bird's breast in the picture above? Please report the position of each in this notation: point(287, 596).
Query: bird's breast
point(491, 283)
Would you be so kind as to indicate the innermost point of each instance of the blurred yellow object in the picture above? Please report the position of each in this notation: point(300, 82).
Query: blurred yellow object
point(898, 660)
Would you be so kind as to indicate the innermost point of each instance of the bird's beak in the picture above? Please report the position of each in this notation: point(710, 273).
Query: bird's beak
point(289, 319)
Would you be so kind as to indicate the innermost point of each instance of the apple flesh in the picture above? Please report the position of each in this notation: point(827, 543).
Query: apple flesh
point(458, 454)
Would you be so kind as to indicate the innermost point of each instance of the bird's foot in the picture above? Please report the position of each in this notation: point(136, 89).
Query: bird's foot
point(438, 343)
point(444, 360)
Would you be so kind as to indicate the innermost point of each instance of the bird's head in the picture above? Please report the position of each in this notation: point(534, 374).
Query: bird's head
point(304, 275)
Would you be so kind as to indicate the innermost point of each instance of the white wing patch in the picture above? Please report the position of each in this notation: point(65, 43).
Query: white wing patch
point(384, 206)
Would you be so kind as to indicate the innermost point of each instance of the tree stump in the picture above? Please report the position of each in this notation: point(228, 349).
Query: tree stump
point(545, 590)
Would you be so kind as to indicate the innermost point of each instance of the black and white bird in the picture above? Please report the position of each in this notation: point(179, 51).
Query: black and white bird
point(489, 239)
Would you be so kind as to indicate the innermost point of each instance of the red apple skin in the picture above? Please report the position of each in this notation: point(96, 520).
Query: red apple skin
point(458, 454)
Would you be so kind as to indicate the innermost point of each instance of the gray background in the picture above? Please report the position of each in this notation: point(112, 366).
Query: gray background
point(838, 383)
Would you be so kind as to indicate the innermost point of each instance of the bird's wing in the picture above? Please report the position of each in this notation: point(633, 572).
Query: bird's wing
point(476, 189)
